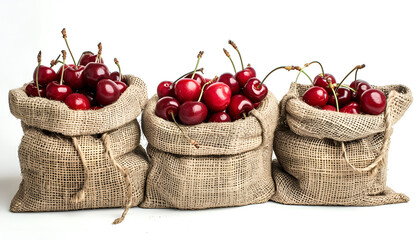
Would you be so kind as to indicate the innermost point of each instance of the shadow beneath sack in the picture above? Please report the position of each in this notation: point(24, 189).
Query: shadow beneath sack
point(8, 188)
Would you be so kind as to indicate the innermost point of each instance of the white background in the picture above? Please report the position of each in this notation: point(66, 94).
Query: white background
point(159, 40)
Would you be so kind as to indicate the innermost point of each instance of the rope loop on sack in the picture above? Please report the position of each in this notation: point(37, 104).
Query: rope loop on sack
point(124, 172)
point(80, 195)
point(381, 158)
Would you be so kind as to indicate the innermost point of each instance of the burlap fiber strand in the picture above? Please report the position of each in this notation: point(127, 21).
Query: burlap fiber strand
point(232, 167)
point(74, 160)
point(330, 158)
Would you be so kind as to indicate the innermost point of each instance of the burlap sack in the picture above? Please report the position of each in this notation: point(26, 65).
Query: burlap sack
point(232, 167)
point(330, 158)
point(80, 159)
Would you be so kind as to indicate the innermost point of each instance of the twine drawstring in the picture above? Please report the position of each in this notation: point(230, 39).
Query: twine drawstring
point(80, 195)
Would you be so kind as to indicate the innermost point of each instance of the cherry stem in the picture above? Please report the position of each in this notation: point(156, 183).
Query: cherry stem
point(65, 39)
point(228, 55)
point(355, 80)
point(119, 67)
point(205, 85)
point(335, 95)
point(198, 70)
point(192, 141)
point(244, 115)
point(239, 53)
point(322, 69)
point(348, 87)
point(301, 71)
point(355, 68)
point(200, 54)
point(98, 56)
point(54, 62)
point(288, 68)
point(64, 63)
point(37, 72)
point(80, 58)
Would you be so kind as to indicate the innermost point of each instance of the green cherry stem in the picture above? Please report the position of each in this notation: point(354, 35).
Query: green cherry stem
point(64, 64)
point(354, 69)
point(348, 87)
point(205, 85)
point(188, 73)
point(244, 115)
point(228, 55)
point(65, 39)
point(192, 141)
point(322, 69)
point(80, 58)
point(288, 68)
point(335, 95)
point(301, 71)
point(37, 73)
point(239, 53)
point(200, 54)
point(119, 67)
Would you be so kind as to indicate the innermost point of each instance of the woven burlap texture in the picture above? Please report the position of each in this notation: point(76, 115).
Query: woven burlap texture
point(232, 167)
point(330, 158)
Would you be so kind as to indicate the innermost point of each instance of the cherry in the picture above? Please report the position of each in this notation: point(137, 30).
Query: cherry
point(73, 77)
point(217, 96)
point(29, 90)
point(45, 75)
point(192, 112)
point(90, 96)
point(165, 88)
point(120, 77)
point(352, 108)
point(95, 108)
point(315, 96)
point(198, 77)
point(230, 80)
point(77, 101)
point(94, 72)
point(322, 81)
point(220, 117)
point(243, 76)
point(121, 86)
point(187, 90)
point(107, 92)
point(252, 70)
point(32, 91)
point(167, 106)
point(329, 108)
point(57, 91)
point(115, 76)
point(60, 70)
point(88, 57)
point(239, 106)
point(344, 96)
point(254, 90)
point(360, 88)
point(373, 101)
point(257, 104)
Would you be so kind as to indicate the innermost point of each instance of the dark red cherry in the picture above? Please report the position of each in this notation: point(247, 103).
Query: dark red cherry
point(257, 104)
point(88, 58)
point(121, 86)
point(362, 86)
point(192, 112)
point(220, 117)
point(373, 101)
point(45, 75)
point(57, 91)
point(352, 108)
point(217, 96)
point(198, 77)
point(95, 108)
point(60, 70)
point(115, 76)
point(316, 96)
point(77, 101)
point(243, 76)
point(90, 96)
point(344, 96)
point(94, 72)
point(230, 80)
point(254, 90)
point(32, 91)
point(251, 70)
point(73, 78)
point(239, 106)
point(187, 89)
point(165, 106)
point(107, 92)
point(165, 88)
point(329, 108)
point(322, 81)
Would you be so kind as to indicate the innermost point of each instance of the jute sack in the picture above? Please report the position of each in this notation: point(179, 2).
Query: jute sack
point(232, 167)
point(330, 158)
point(80, 159)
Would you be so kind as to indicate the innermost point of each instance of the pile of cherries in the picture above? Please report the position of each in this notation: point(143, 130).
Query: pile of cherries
point(358, 97)
point(87, 84)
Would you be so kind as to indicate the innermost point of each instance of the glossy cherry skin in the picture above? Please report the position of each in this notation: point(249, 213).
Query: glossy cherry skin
point(352, 108)
point(60, 70)
point(329, 108)
point(165, 88)
point(217, 97)
point(321, 81)
point(88, 58)
point(243, 76)
point(73, 78)
point(93, 73)
point(31, 90)
point(107, 92)
point(251, 70)
point(344, 96)
point(231, 81)
point(187, 89)
point(55, 91)
point(90, 96)
point(254, 90)
point(115, 76)
point(77, 101)
point(362, 86)
point(239, 104)
point(165, 106)
point(192, 112)
point(316, 96)
point(121, 86)
point(45, 75)
point(373, 101)
point(198, 77)
point(220, 117)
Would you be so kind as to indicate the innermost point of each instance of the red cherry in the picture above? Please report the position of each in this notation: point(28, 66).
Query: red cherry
point(322, 81)
point(362, 86)
point(165, 88)
point(89, 57)
point(352, 108)
point(239, 105)
point(343, 96)
point(45, 75)
point(57, 91)
point(73, 78)
point(187, 89)
point(121, 86)
point(254, 90)
point(217, 96)
point(77, 101)
point(94, 72)
point(115, 76)
point(315, 96)
point(230, 80)
point(90, 96)
point(373, 101)
point(329, 108)
point(198, 77)
point(60, 70)
point(95, 108)
point(252, 70)
point(107, 92)
point(31, 90)
point(165, 106)
point(192, 112)
point(243, 76)
point(257, 104)
point(220, 117)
